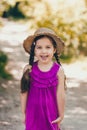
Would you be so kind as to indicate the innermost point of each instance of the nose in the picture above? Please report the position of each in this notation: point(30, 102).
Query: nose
point(44, 50)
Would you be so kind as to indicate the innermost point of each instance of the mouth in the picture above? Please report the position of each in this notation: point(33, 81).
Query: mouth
point(44, 57)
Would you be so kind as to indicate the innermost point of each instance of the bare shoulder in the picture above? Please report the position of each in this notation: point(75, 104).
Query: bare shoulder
point(60, 73)
point(26, 67)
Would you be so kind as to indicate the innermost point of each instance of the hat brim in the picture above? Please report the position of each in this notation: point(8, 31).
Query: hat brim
point(29, 40)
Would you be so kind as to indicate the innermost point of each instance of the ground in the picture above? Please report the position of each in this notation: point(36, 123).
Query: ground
point(12, 35)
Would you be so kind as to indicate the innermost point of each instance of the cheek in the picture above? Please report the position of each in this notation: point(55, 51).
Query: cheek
point(36, 52)
point(52, 51)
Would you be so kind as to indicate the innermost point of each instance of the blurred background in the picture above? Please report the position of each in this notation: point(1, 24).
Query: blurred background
point(20, 18)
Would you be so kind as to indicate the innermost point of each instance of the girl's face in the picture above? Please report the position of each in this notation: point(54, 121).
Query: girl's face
point(44, 50)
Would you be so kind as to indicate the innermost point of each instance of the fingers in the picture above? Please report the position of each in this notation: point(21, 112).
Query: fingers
point(55, 121)
point(58, 120)
point(23, 121)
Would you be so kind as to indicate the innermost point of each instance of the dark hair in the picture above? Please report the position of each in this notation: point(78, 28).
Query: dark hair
point(31, 58)
point(25, 82)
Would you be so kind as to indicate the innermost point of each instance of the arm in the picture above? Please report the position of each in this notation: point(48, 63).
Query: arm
point(61, 93)
point(23, 97)
point(60, 96)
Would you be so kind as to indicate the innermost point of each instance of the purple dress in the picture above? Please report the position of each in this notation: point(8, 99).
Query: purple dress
point(41, 107)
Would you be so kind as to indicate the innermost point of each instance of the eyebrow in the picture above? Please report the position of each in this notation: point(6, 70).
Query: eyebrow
point(41, 45)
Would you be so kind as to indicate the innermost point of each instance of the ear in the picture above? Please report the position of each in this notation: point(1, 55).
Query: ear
point(55, 50)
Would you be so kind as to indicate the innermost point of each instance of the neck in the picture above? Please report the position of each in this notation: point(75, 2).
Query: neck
point(45, 64)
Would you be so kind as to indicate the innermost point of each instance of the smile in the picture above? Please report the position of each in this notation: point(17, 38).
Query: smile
point(44, 57)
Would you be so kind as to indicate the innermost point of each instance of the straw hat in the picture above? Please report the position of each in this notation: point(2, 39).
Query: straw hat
point(43, 31)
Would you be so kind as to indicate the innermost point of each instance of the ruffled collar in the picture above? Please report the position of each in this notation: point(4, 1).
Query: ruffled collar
point(50, 73)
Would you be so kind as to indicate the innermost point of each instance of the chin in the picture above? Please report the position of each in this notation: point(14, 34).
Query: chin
point(45, 62)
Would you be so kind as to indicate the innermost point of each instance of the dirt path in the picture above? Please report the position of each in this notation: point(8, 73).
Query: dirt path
point(11, 37)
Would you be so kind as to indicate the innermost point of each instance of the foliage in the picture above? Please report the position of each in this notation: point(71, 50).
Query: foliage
point(18, 8)
point(3, 61)
point(13, 11)
point(72, 30)
point(74, 33)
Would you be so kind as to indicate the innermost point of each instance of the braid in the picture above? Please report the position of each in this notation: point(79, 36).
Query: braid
point(57, 58)
point(31, 58)
point(25, 80)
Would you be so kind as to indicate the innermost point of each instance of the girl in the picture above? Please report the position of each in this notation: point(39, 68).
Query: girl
point(43, 101)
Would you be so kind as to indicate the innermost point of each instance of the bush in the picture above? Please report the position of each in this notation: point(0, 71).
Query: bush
point(13, 11)
point(3, 61)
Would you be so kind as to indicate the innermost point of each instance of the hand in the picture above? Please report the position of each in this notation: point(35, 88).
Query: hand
point(58, 120)
point(23, 118)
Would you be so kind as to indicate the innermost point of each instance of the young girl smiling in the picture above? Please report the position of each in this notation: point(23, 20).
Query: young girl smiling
point(43, 102)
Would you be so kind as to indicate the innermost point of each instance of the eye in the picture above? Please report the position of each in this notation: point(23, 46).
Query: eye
point(48, 47)
point(38, 47)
